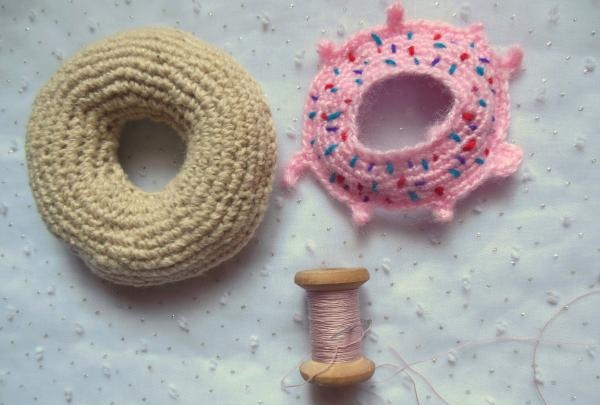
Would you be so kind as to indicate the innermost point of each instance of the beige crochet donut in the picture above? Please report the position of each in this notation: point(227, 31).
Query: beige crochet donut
point(208, 212)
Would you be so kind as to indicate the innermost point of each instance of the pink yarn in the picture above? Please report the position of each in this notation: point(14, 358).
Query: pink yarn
point(460, 153)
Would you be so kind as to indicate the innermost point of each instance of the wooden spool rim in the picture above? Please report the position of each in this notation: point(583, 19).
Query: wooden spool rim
point(337, 374)
point(332, 279)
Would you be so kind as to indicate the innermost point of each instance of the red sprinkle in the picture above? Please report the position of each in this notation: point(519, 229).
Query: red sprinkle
point(329, 86)
point(340, 179)
point(378, 49)
point(351, 57)
point(360, 188)
point(439, 190)
point(411, 50)
point(468, 116)
point(486, 152)
point(464, 56)
point(470, 145)
point(344, 136)
point(435, 158)
point(348, 100)
point(388, 200)
point(491, 80)
point(324, 116)
point(437, 36)
point(401, 182)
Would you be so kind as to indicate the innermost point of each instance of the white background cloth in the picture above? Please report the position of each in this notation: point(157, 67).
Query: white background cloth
point(515, 248)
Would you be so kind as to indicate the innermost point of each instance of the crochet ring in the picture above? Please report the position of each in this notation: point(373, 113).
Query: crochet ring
point(208, 211)
point(461, 152)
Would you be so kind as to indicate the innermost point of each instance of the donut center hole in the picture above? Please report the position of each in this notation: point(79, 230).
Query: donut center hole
point(397, 112)
point(151, 153)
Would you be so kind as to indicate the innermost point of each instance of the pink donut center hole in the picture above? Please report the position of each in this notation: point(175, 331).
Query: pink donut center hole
point(396, 112)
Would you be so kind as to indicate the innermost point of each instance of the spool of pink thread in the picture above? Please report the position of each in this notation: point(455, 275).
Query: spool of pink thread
point(335, 327)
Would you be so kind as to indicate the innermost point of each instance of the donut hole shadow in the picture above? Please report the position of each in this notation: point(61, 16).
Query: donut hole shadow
point(151, 153)
point(398, 111)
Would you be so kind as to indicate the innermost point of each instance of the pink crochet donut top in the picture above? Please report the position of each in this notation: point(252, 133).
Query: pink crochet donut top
point(461, 152)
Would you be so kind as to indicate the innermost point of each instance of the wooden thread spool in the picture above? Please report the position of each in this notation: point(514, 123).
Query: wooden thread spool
point(342, 373)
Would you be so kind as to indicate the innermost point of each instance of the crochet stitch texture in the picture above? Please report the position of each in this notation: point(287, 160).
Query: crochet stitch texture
point(208, 212)
point(460, 153)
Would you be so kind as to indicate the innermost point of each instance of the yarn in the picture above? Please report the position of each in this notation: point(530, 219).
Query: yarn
point(208, 212)
point(460, 153)
point(335, 328)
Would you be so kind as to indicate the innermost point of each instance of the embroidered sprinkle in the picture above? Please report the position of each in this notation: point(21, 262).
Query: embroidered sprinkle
point(330, 149)
point(334, 115)
point(455, 173)
point(455, 137)
point(376, 39)
point(389, 167)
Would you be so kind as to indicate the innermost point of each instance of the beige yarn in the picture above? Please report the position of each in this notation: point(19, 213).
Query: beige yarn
point(208, 212)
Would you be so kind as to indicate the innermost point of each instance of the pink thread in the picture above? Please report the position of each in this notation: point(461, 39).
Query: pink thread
point(336, 332)
point(465, 150)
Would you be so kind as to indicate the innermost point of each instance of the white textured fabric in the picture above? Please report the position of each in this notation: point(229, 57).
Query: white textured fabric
point(514, 250)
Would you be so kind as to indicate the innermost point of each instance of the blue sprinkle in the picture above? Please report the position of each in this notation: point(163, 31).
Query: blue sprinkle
point(472, 45)
point(389, 167)
point(312, 142)
point(334, 89)
point(358, 81)
point(480, 70)
point(455, 137)
point(436, 61)
point(425, 164)
point(353, 161)
point(479, 161)
point(330, 149)
point(455, 173)
point(493, 91)
point(336, 71)
point(390, 62)
point(461, 159)
point(393, 48)
point(314, 98)
point(452, 68)
point(366, 62)
point(358, 71)
point(334, 115)
point(312, 114)
point(409, 35)
point(331, 129)
point(416, 61)
point(370, 167)
point(420, 183)
point(410, 164)
point(413, 196)
point(376, 39)
point(439, 45)
point(332, 178)
point(482, 103)
point(374, 187)
point(472, 127)
point(484, 60)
